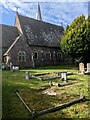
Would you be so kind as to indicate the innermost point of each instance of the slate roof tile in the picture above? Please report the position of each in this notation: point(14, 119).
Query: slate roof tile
point(40, 33)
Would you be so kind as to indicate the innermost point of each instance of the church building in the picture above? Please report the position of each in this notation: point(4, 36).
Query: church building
point(31, 42)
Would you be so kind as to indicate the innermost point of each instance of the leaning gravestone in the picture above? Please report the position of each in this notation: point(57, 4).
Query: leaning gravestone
point(81, 67)
point(88, 67)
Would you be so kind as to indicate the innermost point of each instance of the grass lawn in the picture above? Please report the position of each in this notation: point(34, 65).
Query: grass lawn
point(35, 97)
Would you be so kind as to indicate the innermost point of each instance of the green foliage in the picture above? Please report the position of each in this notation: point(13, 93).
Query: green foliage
point(76, 39)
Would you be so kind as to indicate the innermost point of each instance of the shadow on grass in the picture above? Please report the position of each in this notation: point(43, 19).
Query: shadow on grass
point(59, 67)
point(53, 67)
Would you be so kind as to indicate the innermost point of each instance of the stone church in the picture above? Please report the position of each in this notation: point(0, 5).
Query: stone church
point(31, 42)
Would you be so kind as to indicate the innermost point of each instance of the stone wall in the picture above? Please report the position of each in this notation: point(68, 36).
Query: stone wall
point(44, 55)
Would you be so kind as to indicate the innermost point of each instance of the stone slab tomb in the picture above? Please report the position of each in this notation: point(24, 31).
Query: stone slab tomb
point(38, 76)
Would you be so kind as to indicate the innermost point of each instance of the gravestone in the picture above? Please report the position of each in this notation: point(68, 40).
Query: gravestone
point(27, 76)
point(88, 67)
point(81, 67)
point(64, 76)
point(10, 66)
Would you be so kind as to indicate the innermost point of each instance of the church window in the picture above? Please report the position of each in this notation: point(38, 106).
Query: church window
point(59, 55)
point(42, 55)
point(35, 54)
point(21, 56)
point(48, 55)
point(54, 54)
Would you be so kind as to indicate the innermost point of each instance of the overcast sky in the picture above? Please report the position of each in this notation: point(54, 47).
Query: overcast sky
point(53, 12)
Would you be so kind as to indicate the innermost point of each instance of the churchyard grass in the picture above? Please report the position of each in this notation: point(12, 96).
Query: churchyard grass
point(35, 98)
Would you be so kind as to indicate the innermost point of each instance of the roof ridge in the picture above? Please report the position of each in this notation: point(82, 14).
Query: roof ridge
point(17, 38)
point(39, 21)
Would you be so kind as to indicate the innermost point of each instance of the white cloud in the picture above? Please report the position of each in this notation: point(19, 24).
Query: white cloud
point(52, 12)
point(64, 12)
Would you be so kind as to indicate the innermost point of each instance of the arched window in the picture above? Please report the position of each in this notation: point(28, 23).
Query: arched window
point(42, 55)
point(35, 54)
point(59, 55)
point(54, 54)
point(21, 56)
point(48, 55)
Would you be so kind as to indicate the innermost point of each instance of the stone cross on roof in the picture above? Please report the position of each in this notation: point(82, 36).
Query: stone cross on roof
point(17, 9)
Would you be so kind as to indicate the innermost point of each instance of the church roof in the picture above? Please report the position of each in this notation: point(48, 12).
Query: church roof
point(12, 45)
point(9, 34)
point(40, 33)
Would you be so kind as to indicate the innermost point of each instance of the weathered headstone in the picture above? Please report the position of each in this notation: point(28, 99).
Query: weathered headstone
point(64, 76)
point(88, 67)
point(10, 66)
point(81, 67)
point(27, 76)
